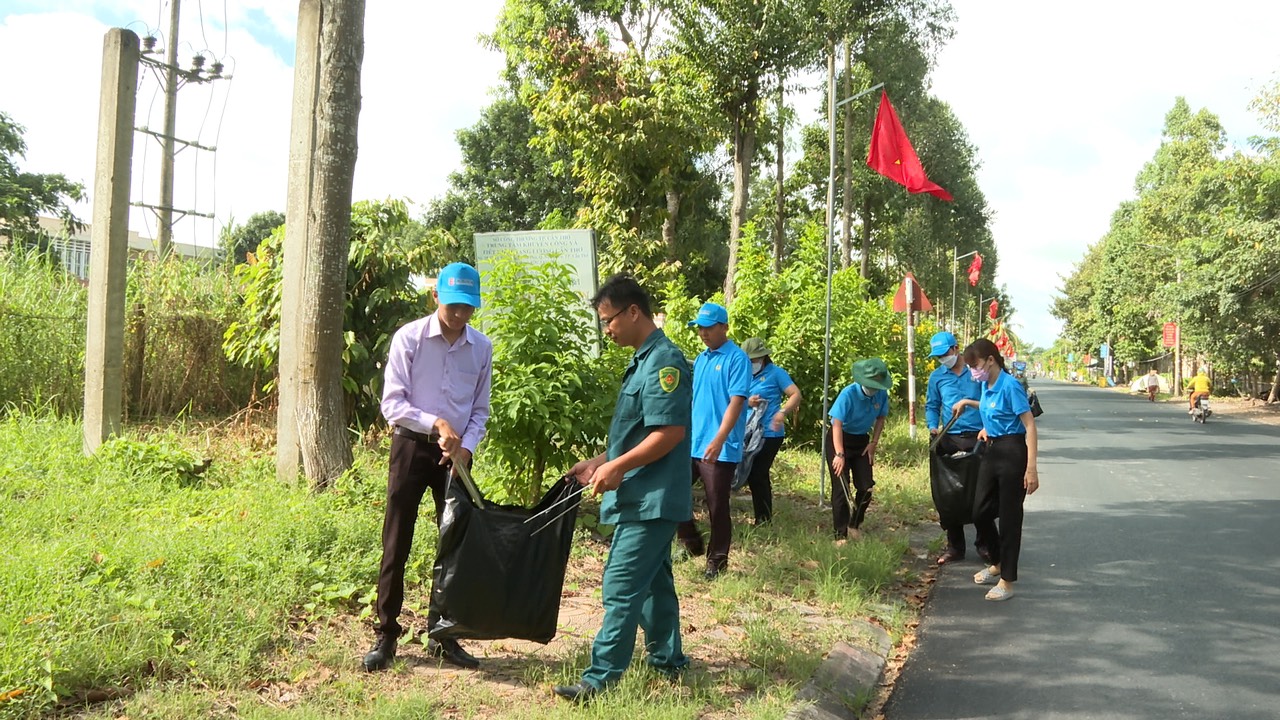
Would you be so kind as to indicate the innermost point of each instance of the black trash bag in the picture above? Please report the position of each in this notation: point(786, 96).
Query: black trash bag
point(495, 577)
point(954, 482)
point(751, 444)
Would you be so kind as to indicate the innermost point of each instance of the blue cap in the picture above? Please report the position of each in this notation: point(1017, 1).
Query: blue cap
point(459, 284)
point(941, 342)
point(710, 314)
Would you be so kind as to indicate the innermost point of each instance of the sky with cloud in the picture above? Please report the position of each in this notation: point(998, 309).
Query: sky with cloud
point(1064, 103)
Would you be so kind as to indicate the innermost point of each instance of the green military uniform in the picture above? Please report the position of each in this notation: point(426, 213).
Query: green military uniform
point(638, 587)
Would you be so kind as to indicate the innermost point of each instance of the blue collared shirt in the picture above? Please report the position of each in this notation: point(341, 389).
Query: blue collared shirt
point(857, 412)
point(945, 389)
point(1002, 404)
point(718, 376)
point(770, 385)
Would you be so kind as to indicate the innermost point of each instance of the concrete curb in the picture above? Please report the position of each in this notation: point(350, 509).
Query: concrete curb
point(847, 678)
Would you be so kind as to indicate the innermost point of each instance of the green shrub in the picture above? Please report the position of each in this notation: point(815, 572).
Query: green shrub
point(42, 332)
point(552, 396)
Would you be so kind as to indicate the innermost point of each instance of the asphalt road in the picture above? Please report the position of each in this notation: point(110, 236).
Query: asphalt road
point(1149, 579)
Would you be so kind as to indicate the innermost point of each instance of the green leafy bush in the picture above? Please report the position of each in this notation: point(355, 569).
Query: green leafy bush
point(552, 396)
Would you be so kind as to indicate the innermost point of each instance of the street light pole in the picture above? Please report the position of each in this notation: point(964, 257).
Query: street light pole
point(832, 106)
point(977, 329)
point(1177, 320)
point(955, 266)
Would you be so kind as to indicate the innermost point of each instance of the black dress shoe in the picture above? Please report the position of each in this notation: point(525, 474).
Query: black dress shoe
point(984, 553)
point(451, 652)
point(383, 652)
point(714, 569)
point(580, 692)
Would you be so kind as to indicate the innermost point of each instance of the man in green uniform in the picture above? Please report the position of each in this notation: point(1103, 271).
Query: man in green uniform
point(645, 477)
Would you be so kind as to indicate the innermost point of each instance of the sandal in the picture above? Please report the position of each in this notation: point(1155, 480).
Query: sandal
point(998, 593)
point(986, 577)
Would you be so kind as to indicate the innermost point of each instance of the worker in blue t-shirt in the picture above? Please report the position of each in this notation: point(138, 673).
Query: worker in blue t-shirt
point(1008, 474)
point(721, 384)
point(776, 395)
point(948, 385)
point(857, 420)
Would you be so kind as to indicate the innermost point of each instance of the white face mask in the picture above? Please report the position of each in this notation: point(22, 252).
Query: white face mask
point(869, 392)
point(756, 366)
point(949, 361)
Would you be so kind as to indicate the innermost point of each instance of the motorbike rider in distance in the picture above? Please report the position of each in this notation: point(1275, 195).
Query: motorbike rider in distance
point(1199, 386)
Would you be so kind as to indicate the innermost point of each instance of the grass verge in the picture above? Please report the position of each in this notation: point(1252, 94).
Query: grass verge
point(172, 576)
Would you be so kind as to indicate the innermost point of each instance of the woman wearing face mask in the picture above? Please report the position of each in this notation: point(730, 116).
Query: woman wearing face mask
point(772, 389)
point(857, 419)
point(1008, 473)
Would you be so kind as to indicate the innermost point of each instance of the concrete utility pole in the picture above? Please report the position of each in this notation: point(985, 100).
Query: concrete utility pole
point(104, 341)
point(173, 78)
point(164, 238)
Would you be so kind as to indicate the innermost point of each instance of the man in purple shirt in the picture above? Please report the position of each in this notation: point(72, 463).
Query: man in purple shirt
point(436, 398)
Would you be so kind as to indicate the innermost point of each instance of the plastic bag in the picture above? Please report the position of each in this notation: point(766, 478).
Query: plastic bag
point(497, 576)
point(954, 482)
point(751, 444)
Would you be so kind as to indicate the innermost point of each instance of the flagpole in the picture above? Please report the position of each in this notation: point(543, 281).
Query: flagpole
point(832, 106)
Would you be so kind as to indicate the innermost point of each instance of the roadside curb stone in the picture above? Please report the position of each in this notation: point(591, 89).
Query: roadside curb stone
point(844, 681)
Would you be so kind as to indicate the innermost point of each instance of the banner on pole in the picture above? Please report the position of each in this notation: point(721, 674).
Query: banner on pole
point(1170, 335)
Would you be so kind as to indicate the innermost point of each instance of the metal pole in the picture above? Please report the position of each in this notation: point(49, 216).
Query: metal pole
point(911, 357)
point(955, 266)
point(831, 200)
point(164, 238)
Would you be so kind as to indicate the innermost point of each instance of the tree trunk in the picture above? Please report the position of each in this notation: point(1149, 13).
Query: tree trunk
point(1275, 384)
point(866, 236)
point(322, 417)
point(669, 224)
point(846, 238)
point(744, 149)
point(780, 222)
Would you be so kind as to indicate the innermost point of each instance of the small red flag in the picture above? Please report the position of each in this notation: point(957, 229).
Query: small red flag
point(975, 269)
point(993, 310)
point(892, 156)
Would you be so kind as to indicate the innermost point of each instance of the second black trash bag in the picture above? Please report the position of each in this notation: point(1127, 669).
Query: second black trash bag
point(497, 576)
point(954, 481)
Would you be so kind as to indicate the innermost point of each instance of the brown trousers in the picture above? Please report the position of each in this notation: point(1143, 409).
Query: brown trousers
point(717, 479)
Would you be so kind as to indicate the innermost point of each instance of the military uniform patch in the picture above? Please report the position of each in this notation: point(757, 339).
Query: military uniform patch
point(668, 379)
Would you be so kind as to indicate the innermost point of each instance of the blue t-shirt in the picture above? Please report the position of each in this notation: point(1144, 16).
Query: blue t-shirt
point(770, 384)
point(857, 412)
point(1002, 403)
point(719, 375)
point(945, 390)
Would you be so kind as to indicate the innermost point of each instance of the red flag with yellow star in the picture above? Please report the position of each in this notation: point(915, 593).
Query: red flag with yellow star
point(892, 156)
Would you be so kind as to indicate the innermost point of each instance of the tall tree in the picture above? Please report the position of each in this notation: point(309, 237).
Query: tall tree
point(322, 430)
point(742, 46)
point(25, 196)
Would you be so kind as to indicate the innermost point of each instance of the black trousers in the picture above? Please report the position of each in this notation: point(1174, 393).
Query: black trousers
point(1001, 489)
point(857, 474)
point(954, 443)
point(717, 479)
point(760, 482)
point(414, 467)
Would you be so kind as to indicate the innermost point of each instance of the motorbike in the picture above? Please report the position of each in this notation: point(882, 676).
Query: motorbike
point(1201, 412)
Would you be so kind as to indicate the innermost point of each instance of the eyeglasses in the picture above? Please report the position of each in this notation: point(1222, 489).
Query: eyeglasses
point(604, 322)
